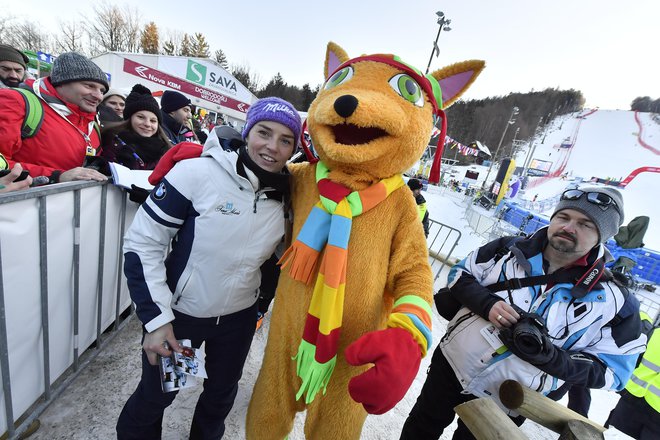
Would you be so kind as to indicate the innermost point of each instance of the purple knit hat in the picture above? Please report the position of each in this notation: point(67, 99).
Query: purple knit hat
point(276, 110)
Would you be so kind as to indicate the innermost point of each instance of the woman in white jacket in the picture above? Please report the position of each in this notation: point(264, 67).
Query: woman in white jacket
point(223, 214)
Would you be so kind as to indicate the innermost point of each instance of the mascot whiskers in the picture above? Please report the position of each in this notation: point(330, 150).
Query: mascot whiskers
point(352, 314)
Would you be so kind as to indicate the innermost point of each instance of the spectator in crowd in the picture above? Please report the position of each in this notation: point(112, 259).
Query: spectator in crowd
point(112, 107)
point(176, 116)
point(13, 66)
point(8, 177)
point(138, 142)
point(226, 214)
point(637, 413)
point(586, 333)
point(416, 187)
point(68, 132)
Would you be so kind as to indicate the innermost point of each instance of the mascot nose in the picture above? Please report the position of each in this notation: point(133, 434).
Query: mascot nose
point(346, 105)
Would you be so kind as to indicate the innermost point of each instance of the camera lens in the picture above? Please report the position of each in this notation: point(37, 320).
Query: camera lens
point(528, 339)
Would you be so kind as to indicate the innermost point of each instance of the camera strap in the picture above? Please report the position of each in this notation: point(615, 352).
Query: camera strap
point(583, 280)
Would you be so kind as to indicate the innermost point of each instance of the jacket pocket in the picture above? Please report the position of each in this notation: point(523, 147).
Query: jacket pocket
point(186, 283)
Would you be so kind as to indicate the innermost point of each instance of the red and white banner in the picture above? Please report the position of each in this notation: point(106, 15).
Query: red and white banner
point(162, 78)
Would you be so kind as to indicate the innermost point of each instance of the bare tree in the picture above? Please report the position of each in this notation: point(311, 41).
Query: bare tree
point(71, 37)
point(107, 29)
point(5, 23)
point(132, 28)
point(26, 35)
point(173, 39)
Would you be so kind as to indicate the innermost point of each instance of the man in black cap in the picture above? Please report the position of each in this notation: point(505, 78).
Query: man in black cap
point(416, 187)
point(177, 112)
point(49, 125)
point(540, 310)
point(13, 65)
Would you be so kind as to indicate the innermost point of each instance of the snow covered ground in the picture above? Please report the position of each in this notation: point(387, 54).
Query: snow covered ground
point(607, 145)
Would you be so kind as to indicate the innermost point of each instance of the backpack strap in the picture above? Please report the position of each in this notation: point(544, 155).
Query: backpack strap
point(34, 113)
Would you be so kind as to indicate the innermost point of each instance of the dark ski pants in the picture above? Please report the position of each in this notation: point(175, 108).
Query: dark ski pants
point(228, 340)
point(633, 416)
point(434, 409)
point(579, 397)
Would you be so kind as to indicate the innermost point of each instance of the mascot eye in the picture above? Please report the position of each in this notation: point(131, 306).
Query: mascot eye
point(408, 88)
point(339, 78)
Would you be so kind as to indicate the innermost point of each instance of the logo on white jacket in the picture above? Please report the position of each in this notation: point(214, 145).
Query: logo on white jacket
point(160, 192)
point(227, 208)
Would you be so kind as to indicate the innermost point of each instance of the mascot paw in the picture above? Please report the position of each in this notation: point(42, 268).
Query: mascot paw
point(396, 358)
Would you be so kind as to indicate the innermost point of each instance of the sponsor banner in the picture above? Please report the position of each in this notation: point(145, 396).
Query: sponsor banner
point(205, 74)
point(165, 80)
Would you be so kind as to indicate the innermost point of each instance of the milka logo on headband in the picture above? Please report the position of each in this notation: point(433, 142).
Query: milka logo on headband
point(278, 108)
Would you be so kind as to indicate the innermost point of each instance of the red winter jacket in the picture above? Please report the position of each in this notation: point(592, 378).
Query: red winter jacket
point(57, 146)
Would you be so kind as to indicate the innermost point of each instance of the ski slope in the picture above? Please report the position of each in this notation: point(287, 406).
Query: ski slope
point(606, 144)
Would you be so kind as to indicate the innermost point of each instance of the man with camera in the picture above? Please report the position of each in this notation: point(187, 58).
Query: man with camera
point(541, 310)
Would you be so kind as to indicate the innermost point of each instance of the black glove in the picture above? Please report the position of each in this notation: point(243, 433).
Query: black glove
point(537, 355)
point(137, 194)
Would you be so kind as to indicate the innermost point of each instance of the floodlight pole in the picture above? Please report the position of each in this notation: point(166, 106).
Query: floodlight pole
point(442, 21)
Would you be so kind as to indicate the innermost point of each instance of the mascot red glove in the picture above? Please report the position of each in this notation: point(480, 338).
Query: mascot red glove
point(396, 357)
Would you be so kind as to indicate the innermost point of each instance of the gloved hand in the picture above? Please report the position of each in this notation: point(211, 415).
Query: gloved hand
point(137, 194)
point(396, 357)
point(179, 152)
point(534, 357)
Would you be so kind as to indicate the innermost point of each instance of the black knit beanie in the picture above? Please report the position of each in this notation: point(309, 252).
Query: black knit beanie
point(140, 99)
point(172, 101)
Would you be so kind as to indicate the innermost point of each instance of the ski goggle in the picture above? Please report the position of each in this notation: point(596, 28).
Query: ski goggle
point(597, 198)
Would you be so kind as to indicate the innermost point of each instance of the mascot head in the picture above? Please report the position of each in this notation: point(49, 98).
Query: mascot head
point(374, 115)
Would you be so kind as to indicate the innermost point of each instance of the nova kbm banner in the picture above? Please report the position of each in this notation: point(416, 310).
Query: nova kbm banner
point(162, 78)
point(205, 74)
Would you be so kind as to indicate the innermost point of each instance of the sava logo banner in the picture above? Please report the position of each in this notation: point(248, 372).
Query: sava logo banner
point(172, 82)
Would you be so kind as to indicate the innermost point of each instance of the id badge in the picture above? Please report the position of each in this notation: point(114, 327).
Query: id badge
point(490, 333)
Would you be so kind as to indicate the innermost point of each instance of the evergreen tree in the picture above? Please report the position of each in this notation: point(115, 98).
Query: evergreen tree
point(275, 87)
point(221, 59)
point(149, 38)
point(200, 48)
point(186, 49)
point(245, 76)
point(307, 96)
point(168, 48)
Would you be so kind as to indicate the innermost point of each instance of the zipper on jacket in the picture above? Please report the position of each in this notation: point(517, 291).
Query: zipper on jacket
point(176, 302)
point(458, 322)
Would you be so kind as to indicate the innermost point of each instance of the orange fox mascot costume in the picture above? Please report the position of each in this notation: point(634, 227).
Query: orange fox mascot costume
point(352, 316)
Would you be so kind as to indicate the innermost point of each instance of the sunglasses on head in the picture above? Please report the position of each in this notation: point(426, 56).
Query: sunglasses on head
point(597, 198)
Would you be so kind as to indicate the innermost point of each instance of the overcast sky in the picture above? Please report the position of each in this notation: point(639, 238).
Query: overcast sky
point(606, 49)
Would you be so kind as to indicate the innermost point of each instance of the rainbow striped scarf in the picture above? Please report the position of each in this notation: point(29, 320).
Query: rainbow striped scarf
point(328, 227)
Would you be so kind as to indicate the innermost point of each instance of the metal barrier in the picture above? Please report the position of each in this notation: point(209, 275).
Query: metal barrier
point(60, 274)
point(442, 241)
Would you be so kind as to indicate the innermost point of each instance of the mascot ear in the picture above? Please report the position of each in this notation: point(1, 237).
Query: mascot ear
point(334, 57)
point(456, 78)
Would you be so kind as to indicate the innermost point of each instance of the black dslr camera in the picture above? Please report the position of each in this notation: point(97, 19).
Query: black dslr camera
point(529, 332)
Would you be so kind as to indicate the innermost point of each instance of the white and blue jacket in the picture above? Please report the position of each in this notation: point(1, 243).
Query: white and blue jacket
point(220, 229)
point(599, 334)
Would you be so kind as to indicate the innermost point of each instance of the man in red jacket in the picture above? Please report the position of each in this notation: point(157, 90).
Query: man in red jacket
point(67, 134)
